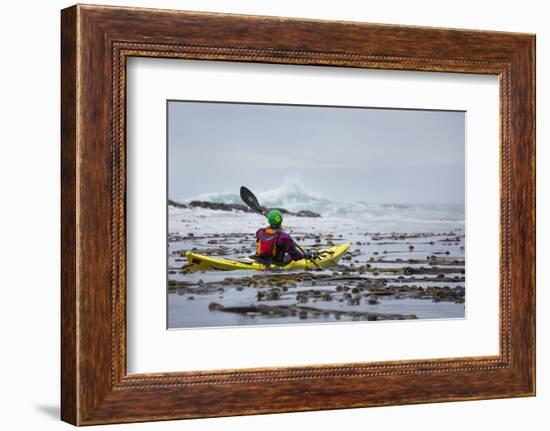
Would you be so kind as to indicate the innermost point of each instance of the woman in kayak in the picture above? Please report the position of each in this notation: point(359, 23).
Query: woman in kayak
point(275, 245)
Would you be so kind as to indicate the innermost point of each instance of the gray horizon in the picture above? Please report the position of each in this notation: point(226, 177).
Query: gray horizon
point(349, 154)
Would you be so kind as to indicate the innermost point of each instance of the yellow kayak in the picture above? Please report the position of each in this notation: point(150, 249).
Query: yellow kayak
point(327, 257)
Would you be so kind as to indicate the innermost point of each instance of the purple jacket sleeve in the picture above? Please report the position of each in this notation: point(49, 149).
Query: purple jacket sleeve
point(284, 242)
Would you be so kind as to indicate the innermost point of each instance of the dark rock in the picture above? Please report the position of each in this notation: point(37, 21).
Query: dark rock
point(176, 204)
point(304, 213)
point(219, 206)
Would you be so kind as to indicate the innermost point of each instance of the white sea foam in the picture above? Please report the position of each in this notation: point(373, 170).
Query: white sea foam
point(294, 196)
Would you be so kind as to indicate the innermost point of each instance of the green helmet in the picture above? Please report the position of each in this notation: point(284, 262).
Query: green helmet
point(275, 218)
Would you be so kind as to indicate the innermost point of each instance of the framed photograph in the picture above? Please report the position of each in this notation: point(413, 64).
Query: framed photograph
point(265, 214)
point(341, 234)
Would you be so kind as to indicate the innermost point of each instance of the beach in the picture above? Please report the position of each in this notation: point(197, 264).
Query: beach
point(405, 262)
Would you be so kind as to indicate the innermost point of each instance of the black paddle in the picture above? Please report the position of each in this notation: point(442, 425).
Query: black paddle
point(249, 199)
point(252, 202)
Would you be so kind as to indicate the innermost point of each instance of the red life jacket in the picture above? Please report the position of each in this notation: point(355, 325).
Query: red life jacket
point(267, 243)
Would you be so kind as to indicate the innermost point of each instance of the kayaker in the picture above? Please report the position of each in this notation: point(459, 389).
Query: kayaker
point(274, 244)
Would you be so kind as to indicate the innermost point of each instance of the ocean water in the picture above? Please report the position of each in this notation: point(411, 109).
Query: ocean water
point(380, 217)
point(368, 227)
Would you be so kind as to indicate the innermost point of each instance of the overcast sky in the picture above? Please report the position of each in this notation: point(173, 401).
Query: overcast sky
point(373, 155)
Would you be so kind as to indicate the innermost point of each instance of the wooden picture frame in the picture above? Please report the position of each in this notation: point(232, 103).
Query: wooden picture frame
point(95, 43)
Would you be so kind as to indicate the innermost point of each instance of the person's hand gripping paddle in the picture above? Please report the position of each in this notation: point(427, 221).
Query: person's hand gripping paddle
point(252, 202)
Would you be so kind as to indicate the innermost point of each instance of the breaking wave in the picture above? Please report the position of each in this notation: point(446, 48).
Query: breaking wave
point(294, 196)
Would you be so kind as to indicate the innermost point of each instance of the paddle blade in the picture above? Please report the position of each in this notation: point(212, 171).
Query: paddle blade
point(249, 199)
